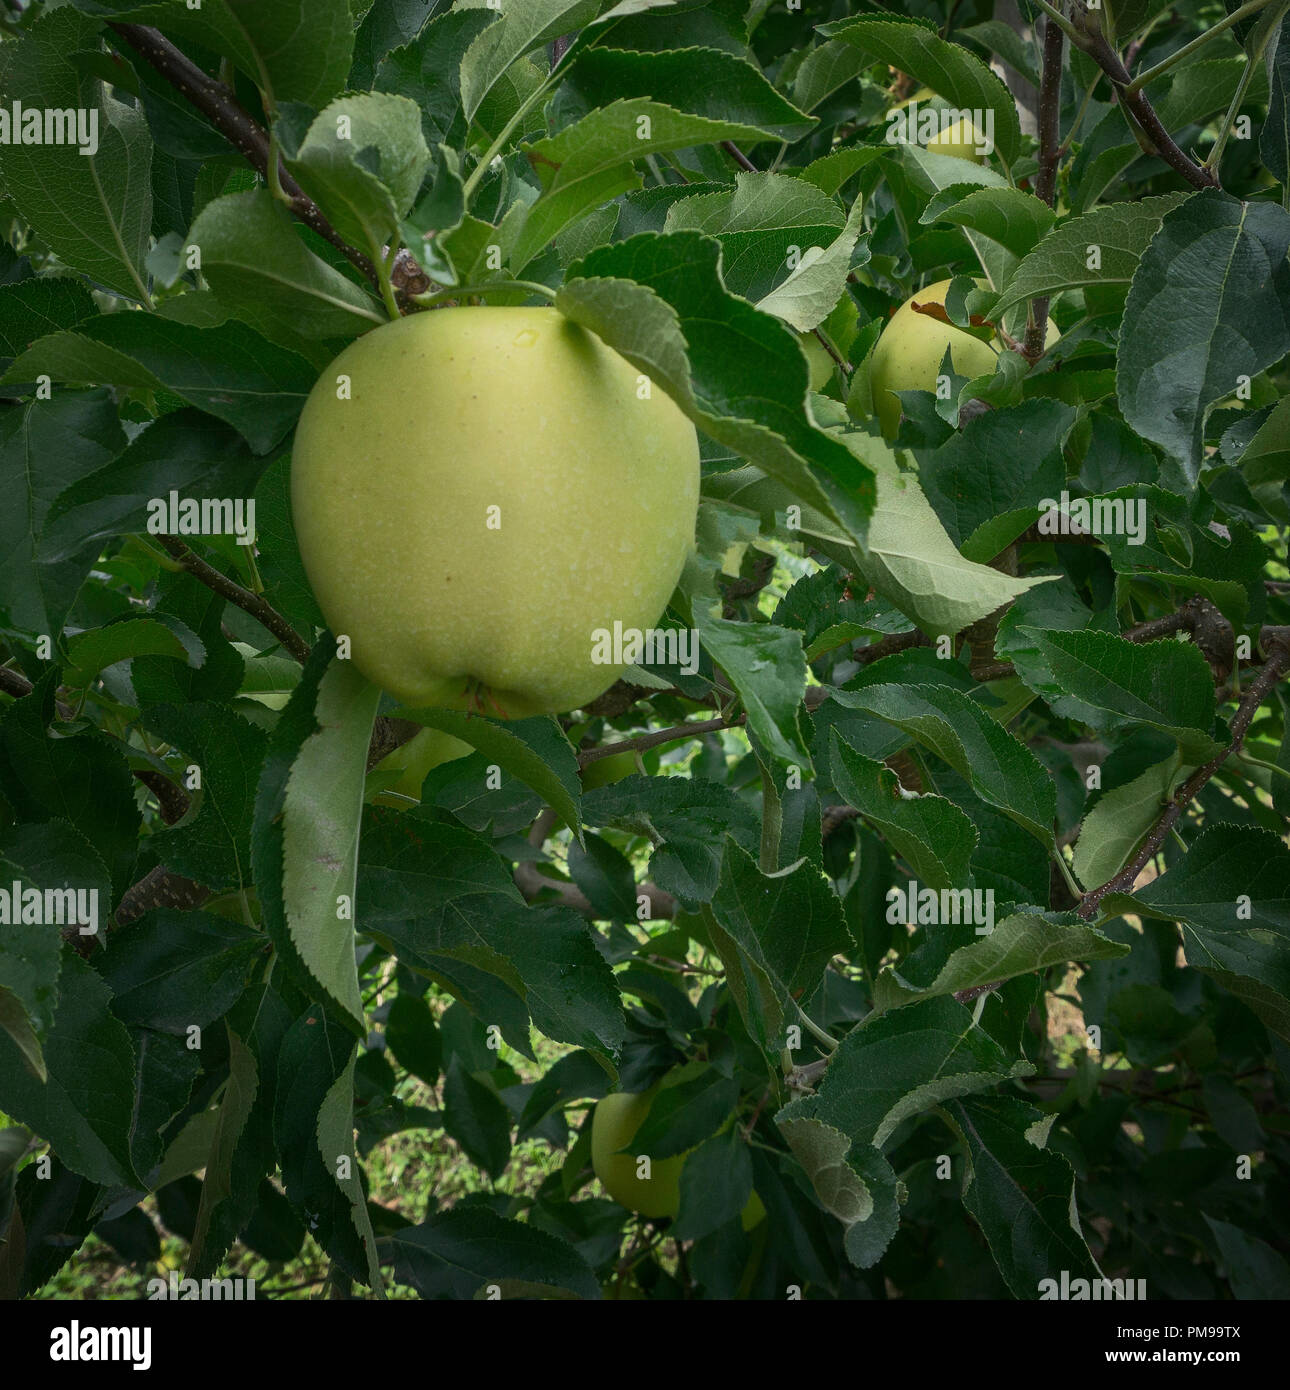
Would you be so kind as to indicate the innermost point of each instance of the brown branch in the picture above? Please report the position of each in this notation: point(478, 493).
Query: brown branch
point(1050, 155)
point(254, 604)
point(220, 106)
point(14, 683)
point(739, 157)
point(657, 737)
point(532, 882)
point(1136, 104)
point(1276, 665)
point(888, 646)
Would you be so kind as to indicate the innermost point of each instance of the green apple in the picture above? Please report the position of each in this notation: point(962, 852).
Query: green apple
point(414, 759)
point(615, 1122)
point(961, 140)
point(820, 362)
point(478, 494)
point(606, 771)
point(912, 347)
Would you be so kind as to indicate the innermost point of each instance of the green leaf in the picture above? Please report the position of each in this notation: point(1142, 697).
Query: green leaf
point(826, 68)
point(811, 292)
point(313, 1102)
point(681, 1117)
point(321, 814)
point(1017, 221)
point(1191, 334)
point(1164, 685)
point(74, 434)
point(101, 647)
point(1274, 138)
point(412, 1037)
point(534, 750)
point(428, 70)
point(708, 82)
point(363, 160)
point(33, 308)
point(1254, 1269)
point(257, 265)
point(1112, 829)
point(1003, 771)
point(459, 1253)
point(910, 560)
point(335, 1138)
point(212, 844)
point(1231, 893)
point(1120, 233)
point(521, 25)
point(763, 225)
point(685, 818)
point(476, 1119)
point(293, 50)
point(929, 832)
point(241, 1151)
point(94, 211)
point(780, 930)
point(175, 970)
point(1020, 1193)
point(947, 68)
point(853, 1182)
point(591, 161)
point(716, 1182)
point(1021, 944)
point(767, 666)
point(50, 856)
point(989, 480)
point(79, 778)
point(899, 1064)
point(84, 1109)
point(230, 371)
point(737, 373)
point(440, 898)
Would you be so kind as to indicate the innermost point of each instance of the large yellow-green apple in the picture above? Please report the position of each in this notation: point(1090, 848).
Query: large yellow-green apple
point(615, 1122)
point(479, 492)
point(414, 760)
point(912, 347)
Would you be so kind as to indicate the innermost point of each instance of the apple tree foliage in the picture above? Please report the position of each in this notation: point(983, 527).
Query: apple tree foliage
point(905, 677)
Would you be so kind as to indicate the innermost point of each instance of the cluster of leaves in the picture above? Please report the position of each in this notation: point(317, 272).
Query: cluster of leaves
point(913, 682)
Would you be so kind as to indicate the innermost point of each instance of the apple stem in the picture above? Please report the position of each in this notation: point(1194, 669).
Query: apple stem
point(431, 301)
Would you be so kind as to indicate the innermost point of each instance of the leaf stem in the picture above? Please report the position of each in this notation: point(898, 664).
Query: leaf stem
point(1163, 66)
point(476, 175)
point(429, 301)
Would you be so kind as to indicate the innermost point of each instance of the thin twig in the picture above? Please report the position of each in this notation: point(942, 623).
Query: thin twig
point(220, 106)
point(1278, 661)
point(254, 604)
point(1050, 154)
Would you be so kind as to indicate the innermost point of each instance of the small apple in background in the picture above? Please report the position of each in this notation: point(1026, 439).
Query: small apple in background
point(414, 760)
point(616, 1119)
point(961, 140)
point(912, 347)
point(476, 491)
point(821, 363)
